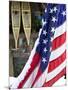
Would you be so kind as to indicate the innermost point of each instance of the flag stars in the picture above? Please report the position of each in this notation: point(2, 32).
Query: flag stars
point(52, 38)
point(54, 19)
point(45, 50)
point(45, 10)
point(44, 32)
point(52, 29)
point(51, 10)
point(44, 60)
point(63, 13)
point(55, 9)
point(44, 22)
point(45, 41)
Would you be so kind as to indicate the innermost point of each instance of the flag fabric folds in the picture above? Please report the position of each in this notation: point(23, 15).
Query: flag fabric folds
point(47, 61)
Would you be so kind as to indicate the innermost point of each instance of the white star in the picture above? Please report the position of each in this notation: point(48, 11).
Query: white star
point(55, 9)
point(43, 22)
point(45, 41)
point(51, 10)
point(52, 38)
point(44, 32)
point(44, 60)
point(45, 49)
point(45, 10)
point(63, 13)
point(54, 19)
point(53, 29)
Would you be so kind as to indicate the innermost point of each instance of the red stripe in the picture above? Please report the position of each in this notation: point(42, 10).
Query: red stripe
point(57, 77)
point(38, 75)
point(55, 63)
point(58, 41)
point(34, 63)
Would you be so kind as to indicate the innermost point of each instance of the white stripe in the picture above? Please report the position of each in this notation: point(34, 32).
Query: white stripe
point(27, 66)
point(56, 53)
point(52, 74)
point(41, 80)
point(32, 77)
point(60, 82)
point(60, 30)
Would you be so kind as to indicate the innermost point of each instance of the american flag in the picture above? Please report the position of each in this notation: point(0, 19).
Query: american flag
point(47, 61)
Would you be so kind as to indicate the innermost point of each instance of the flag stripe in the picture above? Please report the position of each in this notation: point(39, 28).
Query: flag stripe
point(55, 63)
point(56, 71)
point(57, 42)
point(55, 54)
point(50, 75)
point(36, 59)
point(60, 30)
point(31, 78)
point(57, 77)
point(41, 80)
